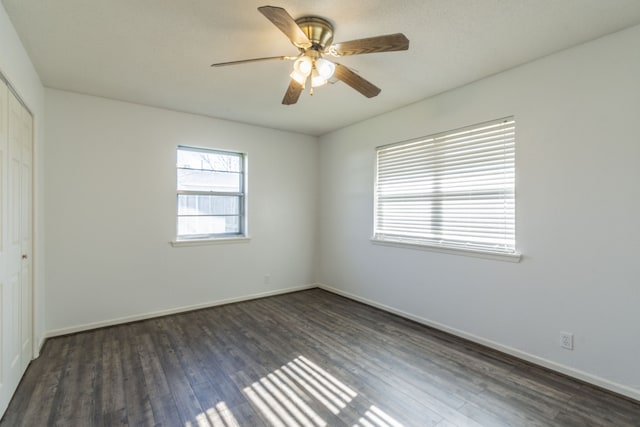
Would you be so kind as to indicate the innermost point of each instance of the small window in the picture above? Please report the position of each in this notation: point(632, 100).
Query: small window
point(451, 190)
point(211, 194)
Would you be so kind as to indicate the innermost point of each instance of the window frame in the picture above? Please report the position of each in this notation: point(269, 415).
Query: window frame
point(206, 238)
point(382, 234)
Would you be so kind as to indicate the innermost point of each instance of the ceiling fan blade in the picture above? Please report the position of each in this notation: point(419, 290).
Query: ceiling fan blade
point(244, 61)
point(281, 19)
point(293, 93)
point(387, 43)
point(360, 84)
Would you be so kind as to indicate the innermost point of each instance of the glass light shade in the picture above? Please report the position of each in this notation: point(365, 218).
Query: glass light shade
point(325, 68)
point(303, 65)
point(317, 79)
point(301, 70)
point(300, 78)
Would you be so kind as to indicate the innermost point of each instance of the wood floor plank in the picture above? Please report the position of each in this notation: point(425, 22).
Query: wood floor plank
point(88, 405)
point(139, 409)
point(188, 407)
point(214, 363)
point(114, 411)
point(67, 393)
point(162, 405)
point(309, 359)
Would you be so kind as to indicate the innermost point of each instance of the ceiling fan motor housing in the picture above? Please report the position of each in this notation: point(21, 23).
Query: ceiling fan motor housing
point(319, 31)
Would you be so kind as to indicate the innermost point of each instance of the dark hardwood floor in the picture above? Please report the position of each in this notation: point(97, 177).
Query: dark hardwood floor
point(309, 358)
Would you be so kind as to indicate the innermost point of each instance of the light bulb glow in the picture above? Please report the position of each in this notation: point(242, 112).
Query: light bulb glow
point(319, 69)
point(298, 77)
point(301, 70)
point(303, 65)
point(317, 79)
point(325, 68)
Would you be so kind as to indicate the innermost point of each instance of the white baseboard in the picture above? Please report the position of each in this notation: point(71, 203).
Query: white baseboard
point(563, 369)
point(160, 313)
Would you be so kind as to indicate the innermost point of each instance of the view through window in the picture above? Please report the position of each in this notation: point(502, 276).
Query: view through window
point(211, 193)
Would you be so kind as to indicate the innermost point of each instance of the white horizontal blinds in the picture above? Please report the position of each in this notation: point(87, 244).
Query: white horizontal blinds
point(454, 189)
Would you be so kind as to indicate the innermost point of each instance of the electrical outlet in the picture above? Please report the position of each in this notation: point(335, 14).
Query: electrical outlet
point(267, 279)
point(566, 340)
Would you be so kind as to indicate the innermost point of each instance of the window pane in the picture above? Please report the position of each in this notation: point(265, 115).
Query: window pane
point(210, 199)
point(200, 180)
point(191, 204)
point(202, 226)
point(209, 160)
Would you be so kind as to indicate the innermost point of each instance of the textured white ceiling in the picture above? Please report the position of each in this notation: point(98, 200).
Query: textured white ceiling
point(158, 52)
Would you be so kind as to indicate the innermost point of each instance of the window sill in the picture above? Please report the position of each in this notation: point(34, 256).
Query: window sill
point(204, 242)
point(453, 251)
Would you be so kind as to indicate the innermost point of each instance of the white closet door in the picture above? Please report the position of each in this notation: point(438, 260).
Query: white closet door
point(26, 239)
point(16, 146)
point(4, 302)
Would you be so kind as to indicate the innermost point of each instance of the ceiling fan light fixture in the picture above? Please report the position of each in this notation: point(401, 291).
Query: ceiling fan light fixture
point(313, 36)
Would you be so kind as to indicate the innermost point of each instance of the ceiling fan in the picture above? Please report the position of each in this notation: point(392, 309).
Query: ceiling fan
point(313, 36)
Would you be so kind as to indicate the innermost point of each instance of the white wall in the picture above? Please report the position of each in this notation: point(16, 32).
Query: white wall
point(16, 66)
point(577, 213)
point(110, 192)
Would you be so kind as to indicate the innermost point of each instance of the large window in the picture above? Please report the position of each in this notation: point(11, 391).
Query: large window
point(211, 194)
point(451, 190)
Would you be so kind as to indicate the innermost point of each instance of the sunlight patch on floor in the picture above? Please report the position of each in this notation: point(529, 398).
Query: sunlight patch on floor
point(284, 397)
point(375, 417)
point(218, 416)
